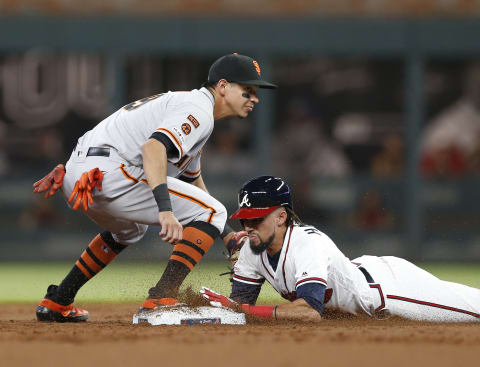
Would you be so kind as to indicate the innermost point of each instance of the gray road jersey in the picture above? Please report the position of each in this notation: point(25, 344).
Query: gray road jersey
point(186, 118)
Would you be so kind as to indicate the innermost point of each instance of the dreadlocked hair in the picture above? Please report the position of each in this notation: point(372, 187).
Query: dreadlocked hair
point(292, 218)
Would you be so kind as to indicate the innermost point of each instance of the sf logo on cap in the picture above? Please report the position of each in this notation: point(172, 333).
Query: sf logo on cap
point(244, 201)
point(257, 67)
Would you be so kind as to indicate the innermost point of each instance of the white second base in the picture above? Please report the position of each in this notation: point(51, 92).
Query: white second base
point(189, 316)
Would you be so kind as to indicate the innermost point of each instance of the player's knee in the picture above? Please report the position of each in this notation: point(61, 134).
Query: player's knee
point(220, 217)
point(131, 235)
point(116, 247)
point(215, 215)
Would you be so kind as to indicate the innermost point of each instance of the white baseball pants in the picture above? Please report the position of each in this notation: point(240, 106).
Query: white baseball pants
point(126, 206)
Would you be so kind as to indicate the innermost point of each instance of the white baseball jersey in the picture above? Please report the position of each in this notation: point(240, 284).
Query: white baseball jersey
point(126, 206)
point(308, 256)
point(397, 287)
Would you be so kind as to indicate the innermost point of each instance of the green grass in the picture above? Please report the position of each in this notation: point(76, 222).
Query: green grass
point(129, 282)
point(468, 274)
point(119, 282)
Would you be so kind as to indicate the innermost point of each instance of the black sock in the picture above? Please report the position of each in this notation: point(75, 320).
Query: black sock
point(68, 288)
point(99, 253)
point(170, 282)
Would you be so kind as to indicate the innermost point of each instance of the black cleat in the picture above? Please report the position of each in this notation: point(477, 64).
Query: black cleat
point(52, 311)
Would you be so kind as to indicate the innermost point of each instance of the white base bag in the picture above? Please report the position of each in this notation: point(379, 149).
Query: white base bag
point(175, 315)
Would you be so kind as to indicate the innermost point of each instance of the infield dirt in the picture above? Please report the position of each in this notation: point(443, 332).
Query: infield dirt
point(109, 338)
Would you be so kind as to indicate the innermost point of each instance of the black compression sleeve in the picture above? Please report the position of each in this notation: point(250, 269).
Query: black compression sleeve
point(245, 293)
point(187, 179)
point(172, 151)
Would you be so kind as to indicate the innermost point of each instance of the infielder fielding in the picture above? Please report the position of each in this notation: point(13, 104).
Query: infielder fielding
point(140, 167)
point(306, 267)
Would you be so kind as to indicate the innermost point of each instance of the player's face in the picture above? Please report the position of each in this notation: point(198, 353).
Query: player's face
point(241, 99)
point(261, 232)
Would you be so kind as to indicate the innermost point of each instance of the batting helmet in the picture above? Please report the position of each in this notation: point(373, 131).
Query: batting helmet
point(260, 196)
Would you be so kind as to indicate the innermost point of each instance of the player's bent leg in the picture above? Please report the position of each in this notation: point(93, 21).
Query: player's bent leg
point(197, 239)
point(58, 302)
point(203, 218)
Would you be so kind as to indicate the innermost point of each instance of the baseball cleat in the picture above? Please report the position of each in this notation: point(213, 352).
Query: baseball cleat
point(53, 312)
point(151, 304)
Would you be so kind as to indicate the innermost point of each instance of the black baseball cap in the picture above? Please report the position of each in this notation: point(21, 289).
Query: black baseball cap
point(238, 69)
point(261, 196)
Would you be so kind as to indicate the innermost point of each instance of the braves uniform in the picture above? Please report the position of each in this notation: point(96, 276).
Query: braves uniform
point(126, 206)
point(375, 286)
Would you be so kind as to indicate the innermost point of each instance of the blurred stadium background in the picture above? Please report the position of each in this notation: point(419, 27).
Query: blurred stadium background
point(376, 124)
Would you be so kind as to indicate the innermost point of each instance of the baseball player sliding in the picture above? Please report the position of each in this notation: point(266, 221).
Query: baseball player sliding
point(140, 167)
point(306, 267)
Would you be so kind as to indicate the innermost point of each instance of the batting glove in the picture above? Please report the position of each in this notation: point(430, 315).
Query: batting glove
point(51, 182)
point(236, 242)
point(217, 299)
point(84, 187)
point(234, 246)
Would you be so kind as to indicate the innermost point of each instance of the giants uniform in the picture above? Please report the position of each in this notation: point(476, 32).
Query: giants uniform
point(368, 285)
point(126, 206)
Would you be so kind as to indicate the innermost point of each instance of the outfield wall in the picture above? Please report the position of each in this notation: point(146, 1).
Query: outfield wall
point(349, 83)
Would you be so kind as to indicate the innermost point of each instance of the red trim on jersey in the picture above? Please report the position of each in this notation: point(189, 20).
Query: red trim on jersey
point(310, 279)
point(430, 304)
point(258, 281)
point(379, 288)
point(247, 213)
point(285, 258)
point(271, 276)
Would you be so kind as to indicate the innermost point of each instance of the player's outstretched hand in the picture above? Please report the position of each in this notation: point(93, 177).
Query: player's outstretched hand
point(171, 228)
point(235, 242)
point(217, 299)
point(82, 192)
point(51, 182)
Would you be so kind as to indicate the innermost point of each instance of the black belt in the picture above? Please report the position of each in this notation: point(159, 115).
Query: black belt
point(367, 275)
point(97, 151)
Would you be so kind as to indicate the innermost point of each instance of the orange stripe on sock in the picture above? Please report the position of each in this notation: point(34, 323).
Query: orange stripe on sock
point(182, 260)
point(195, 255)
point(83, 270)
point(198, 237)
point(101, 250)
point(90, 262)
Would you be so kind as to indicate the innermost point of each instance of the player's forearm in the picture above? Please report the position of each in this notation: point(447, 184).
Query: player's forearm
point(154, 162)
point(298, 310)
